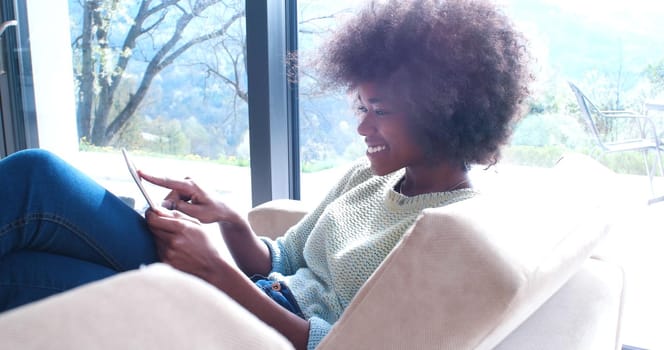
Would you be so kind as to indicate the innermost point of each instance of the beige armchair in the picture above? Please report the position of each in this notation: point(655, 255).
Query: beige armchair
point(504, 270)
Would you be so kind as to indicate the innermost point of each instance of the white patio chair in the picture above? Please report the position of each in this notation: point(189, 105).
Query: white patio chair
point(624, 131)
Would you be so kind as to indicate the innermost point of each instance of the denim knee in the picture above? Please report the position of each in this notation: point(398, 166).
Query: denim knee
point(24, 165)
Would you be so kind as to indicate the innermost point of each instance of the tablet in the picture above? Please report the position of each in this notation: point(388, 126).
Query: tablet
point(137, 179)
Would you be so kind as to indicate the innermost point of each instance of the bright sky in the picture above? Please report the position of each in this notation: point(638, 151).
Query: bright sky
point(610, 9)
point(599, 6)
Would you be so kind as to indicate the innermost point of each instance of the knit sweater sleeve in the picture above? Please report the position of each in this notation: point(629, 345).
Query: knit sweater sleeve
point(287, 252)
point(318, 329)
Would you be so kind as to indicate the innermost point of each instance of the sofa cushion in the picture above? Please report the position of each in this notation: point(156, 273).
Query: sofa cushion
point(466, 275)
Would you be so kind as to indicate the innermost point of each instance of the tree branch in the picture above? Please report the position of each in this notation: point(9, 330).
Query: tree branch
point(162, 59)
point(168, 60)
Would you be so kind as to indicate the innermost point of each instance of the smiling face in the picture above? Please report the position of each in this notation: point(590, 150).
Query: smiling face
point(384, 124)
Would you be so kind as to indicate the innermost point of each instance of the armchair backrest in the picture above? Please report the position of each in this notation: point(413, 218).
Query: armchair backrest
point(466, 275)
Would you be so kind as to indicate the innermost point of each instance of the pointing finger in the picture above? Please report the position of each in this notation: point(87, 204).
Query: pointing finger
point(184, 187)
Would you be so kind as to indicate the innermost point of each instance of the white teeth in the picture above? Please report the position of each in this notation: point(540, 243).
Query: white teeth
point(376, 149)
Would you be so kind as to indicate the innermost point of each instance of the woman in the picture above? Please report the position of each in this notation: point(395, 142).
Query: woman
point(437, 87)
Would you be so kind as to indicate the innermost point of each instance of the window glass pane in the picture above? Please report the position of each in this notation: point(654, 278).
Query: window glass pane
point(610, 49)
point(167, 81)
point(328, 139)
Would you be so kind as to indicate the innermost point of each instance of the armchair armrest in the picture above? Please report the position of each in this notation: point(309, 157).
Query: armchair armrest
point(273, 218)
point(156, 307)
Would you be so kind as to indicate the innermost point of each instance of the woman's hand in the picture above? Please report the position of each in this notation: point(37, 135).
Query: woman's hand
point(186, 196)
point(187, 202)
point(182, 243)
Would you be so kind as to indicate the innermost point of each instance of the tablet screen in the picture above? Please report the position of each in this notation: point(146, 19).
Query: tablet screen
point(137, 179)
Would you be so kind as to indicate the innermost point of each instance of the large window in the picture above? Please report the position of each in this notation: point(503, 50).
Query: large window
point(168, 81)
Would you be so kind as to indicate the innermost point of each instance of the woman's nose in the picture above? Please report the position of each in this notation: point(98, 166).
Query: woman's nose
point(367, 124)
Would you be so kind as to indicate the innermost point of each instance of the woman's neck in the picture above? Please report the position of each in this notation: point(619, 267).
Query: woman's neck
point(437, 178)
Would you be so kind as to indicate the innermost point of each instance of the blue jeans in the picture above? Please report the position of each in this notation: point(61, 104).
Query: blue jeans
point(59, 229)
point(281, 294)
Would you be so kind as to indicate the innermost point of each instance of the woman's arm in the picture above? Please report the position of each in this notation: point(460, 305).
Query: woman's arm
point(240, 288)
point(250, 254)
point(182, 243)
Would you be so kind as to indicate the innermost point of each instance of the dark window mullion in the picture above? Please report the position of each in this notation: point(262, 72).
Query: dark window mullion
point(19, 119)
point(293, 100)
point(272, 126)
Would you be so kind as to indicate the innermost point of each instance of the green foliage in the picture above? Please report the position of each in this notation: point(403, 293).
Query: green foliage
point(538, 156)
point(131, 136)
point(546, 156)
point(85, 145)
point(550, 95)
point(655, 74)
point(626, 162)
point(550, 129)
point(312, 167)
point(165, 136)
point(198, 137)
point(315, 150)
point(232, 160)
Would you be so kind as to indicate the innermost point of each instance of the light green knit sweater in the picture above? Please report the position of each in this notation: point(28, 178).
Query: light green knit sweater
point(331, 253)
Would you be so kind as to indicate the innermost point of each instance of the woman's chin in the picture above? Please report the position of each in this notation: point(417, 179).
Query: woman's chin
point(380, 170)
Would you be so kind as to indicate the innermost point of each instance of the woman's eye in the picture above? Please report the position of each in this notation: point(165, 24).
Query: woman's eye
point(376, 112)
